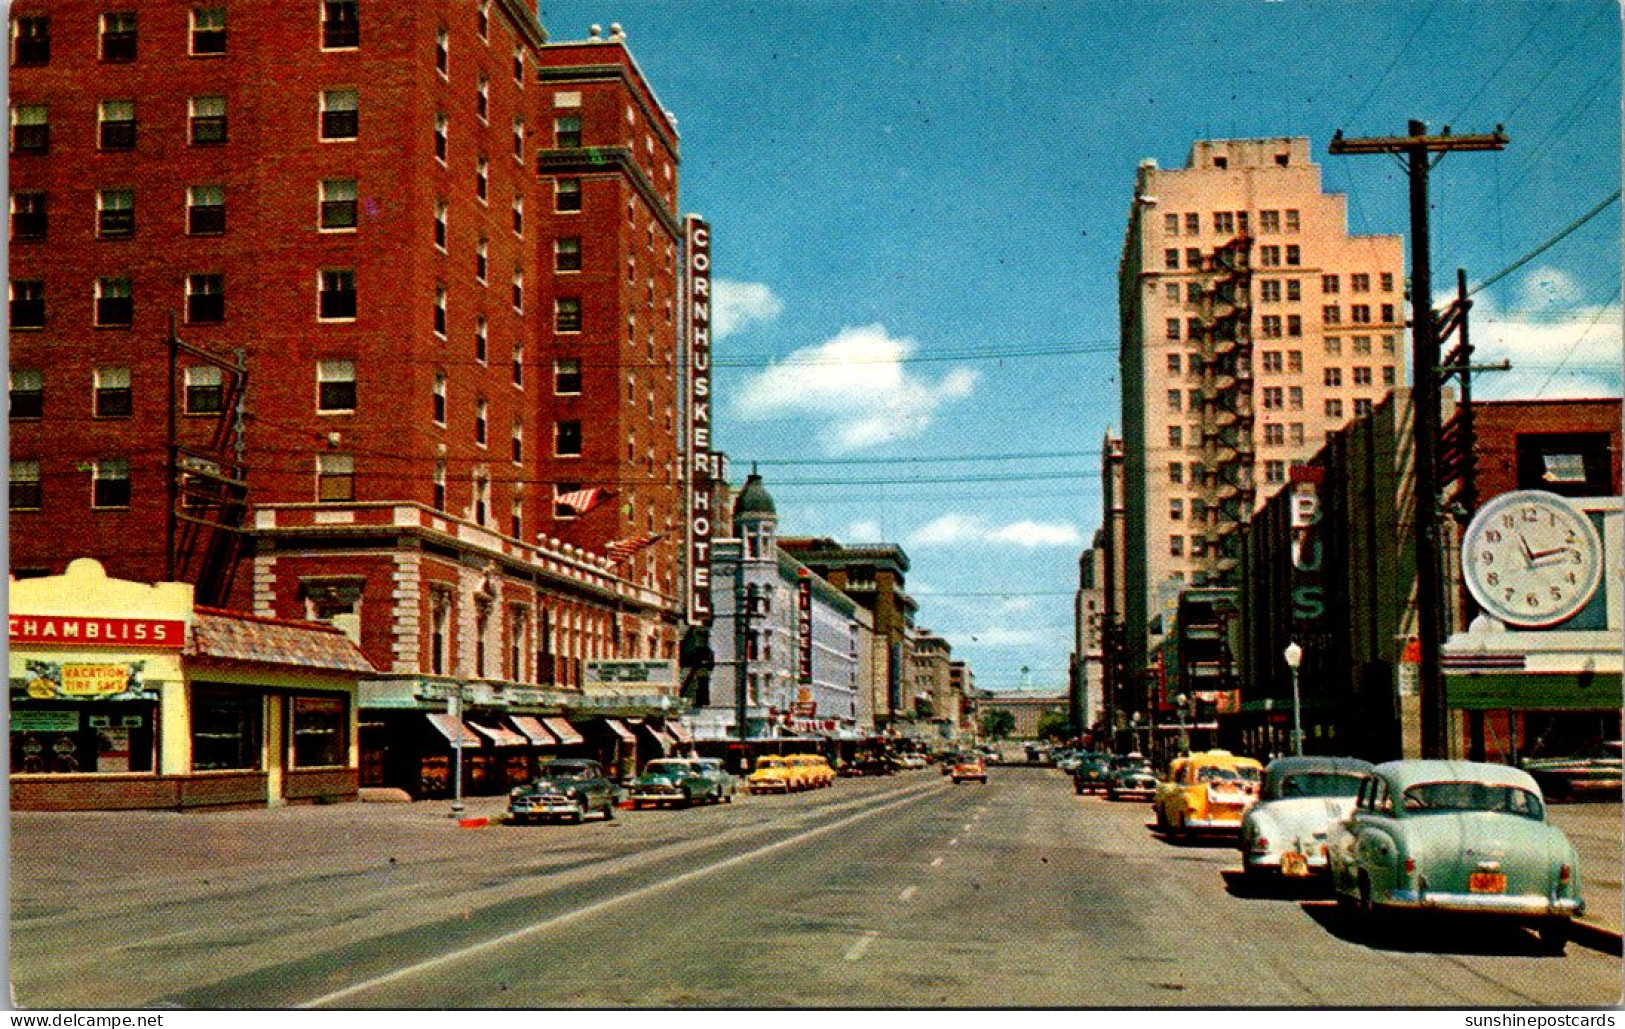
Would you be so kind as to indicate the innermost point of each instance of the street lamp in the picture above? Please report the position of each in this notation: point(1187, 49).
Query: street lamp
point(1184, 736)
point(1294, 655)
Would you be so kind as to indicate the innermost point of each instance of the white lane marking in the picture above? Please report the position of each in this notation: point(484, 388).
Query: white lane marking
point(967, 827)
point(606, 904)
point(856, 950)
point(936, 862)
point(908, 893)
point(954, 842)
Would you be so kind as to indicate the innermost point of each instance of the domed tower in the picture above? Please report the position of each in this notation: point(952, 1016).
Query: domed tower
point(755, 519)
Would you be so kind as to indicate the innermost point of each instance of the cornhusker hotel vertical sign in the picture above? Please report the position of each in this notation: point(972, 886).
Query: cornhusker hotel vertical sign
point(697, 246)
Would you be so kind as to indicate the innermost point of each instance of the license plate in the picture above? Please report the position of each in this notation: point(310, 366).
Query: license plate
point(1294, 865)
point(1486, 882)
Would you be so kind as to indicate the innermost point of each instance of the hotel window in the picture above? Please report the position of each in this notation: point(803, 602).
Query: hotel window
point(1389, 344)
point(519, 298)
point(482, 178)
point(567, 132)
point(226, 733)
point(1291, 220)
point(26, 494)
point(1176, 510)
point(1224, 222)
point(1334, 345)
point(113, 397)
point(1176, 436)
point(1274, 471)
point(1388, 375)
point(1294, 255)
point(1170, 259)
point(440, 398)
point(1294, 290)
point(341, 114)
point(1173, 364)
point(482, 255)
point(1294, 326)
point(337, 205)
point(1193, 223)
point(1360, 314)
point(1360, 282)
point(1361, 344)
point(517, 440)
point(439, 623)
point(1334, 408)
point(518, 627)
point(1387, 314)
point(118, 36)
point(1270, 326)
point(337, 295)
point(1172, 330)
point(1273, 398)
point(567, 439)
point(1294, 398)
point(1176, 546)
point(482, 99)
point(481, 412)
point(341, 25)
point(567, 376)
point(1176, 399)
point(115, 213)
point(1272, 360)
point(442, 51)
point(1269, 221)
point(1329, 284)
point(1269, 291)
point(567, 314)
point(1294, 434)
point(518, 216)
point(114, 304)
point(519, 365)
point(1193, 259)
point(27, 304)
point(31, 41)
point(442, 131)
point(519, 66)
point(567, 194)
point(482, 19)
point(1387, 280)
point(482, 500)
point(205, 210)
point(110, 483)
point(29, 217)
point(1171, 292)
point(1176, 473)
point(27, 394)
point(567, 254)
point(440, 216)
point(207, 120)
point(321, 732)
point(439, 498)
point(30, 129)
point(1362, 375)
point(480, 339)
point(1274, 435)
point(115, 120)
point(519, 139)
point(1241, 222)
point(205, 298)
point(1170, 224)
point(440, 311)
point(1331, 314)
point(208, 30)
point(205, 389)
point(1269, 256)
point(335, 478)
point(1294, 360)
point(1333, 377)
point(335, 386)
point(1362, 407)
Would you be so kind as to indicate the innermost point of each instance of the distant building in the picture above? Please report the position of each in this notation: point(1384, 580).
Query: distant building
point(1026, 706)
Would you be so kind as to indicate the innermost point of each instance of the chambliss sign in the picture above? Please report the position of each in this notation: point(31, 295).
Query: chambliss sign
point(97, 632)
point(697, 302)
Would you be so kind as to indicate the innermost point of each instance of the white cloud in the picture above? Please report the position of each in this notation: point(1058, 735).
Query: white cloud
point(1559, 348)
point(864, 532)
point(856, 386)
point(999, 636)
point(735, 305)
point(958, 528)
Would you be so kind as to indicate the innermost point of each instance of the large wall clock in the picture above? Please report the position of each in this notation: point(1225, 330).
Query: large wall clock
point(1531, 558)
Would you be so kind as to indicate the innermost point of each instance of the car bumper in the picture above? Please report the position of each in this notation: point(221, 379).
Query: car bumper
point(769, 787)
point(549, 806)
point(655, 798)
point(1313, 863)
point(1487, 903)
point(1214, 825)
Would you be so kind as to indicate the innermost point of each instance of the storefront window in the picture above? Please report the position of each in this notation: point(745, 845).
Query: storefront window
point(81, 737)
point(321, 733)
point(225, 731)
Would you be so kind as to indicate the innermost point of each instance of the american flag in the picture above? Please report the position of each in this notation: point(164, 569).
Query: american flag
point(620, 550)
point(583, 500)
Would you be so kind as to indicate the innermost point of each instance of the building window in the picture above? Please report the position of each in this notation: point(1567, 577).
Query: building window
point(1389, 345)
point(518, 629)
point(115, 121)
point(442, 132)
point(1334, 345)
point(115, 213)
point(118, 36)
point(439, 498)
point(482, 19)
point(481, 411)
point(1172, 328)
point(567, 132)
point(519, 295)
point(518, 216)
point(1294, 398)
point(341, 25)
point(1334, 408)
point(1295, 434)
point(337, 205)
point(480, 339)
point(1362, 375)
point(321, 732)
point(1272, 360)
point(31, 130)
point(1387, 314)
point(1333, 377)
point(1173, 364)
point(1294, 290)
point(27, 394)
point(205, 389)
point(442, 51)
point(1387, 280)
point(1269, 256)
point(519, 66)
point(482, 254)
point(567, 254)
point(205, 298)
point(1360, 314)
point(110, 483)
point(1388, 375)
point(337, 295)
point(1331, 314)
point(1171, 292)
point(1274, 435)
point(1193, 224)
point(482, 99)
point(208, 30)
point(114, 304)
point(567, 439)
point(1273, 398)
point(335, 478)
point(440, 398)
point(335, 386)
point(482, 179)
point(1294, 360)
point(519, 365)
point(26, 494)
point(566, 194)
point(1329, 284)
point(1170, 259)
point(518, 443)
point(1176, 473)
point(29, 219)
point(482, 499)
point(440, 216)
point(1176, 436)
point(1274, 471)
point(1176, 510)
point(440, 311)
point(1294, 326)
point(1193, 259)
point(1175, 399)
point(1224, 222)
point(1362, 407)
point(205, 210)
point(1170, 224)
point(1269, 291)
point(567, 376)
point(113, 397)
point(1269, 326)
point(519, 139)
point(341, 113)
point(208, 120)
point(1360, 282)
point(1269, 221)
point(567, 314)
point(27, 304)
point(31, 41)
point(1176, 546)
point(1291, 220)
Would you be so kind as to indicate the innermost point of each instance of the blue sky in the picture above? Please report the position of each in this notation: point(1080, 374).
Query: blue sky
point(918, 208)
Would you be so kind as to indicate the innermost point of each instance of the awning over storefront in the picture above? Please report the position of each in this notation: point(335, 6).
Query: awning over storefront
point(534, 731)
point(451, 728)
point(499, 736)
point(619, 728)
point(679, 732)
point(563, 730)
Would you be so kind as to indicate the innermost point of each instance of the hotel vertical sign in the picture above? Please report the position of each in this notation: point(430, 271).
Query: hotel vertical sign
point(804, 628)
point(697, 315)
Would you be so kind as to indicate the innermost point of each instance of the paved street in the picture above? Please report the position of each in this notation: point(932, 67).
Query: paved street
point(903, 891)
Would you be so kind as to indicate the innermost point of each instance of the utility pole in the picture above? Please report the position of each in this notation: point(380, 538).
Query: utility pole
point(1417, 147)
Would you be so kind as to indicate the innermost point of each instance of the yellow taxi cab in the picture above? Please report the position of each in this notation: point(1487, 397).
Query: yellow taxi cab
point(814, 769)
point(1206, 792)
point(771, 775)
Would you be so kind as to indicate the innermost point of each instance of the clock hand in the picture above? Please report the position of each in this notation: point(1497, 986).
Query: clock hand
point(1528, 555)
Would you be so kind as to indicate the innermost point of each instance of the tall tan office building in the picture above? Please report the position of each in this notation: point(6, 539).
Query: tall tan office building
point(1253, 325)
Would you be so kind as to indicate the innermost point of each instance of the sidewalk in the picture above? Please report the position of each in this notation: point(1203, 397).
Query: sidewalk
point(1596, 832)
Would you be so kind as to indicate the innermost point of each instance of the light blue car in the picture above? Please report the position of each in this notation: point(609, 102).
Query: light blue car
point(1285, 833)
point(1456, 836)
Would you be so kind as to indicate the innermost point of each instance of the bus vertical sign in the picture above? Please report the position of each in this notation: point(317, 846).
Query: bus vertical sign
point(697, 320)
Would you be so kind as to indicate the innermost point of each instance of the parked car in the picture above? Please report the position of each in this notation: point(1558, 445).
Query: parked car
point(1456, 836)
point(989, 754)
point(726, 779)
point(1206, 792)
point(814, 768)
point(868, 763)
point(967, 767)
point(1131, 776)
point(564, 788)
point(1090, 775)
point(909, 760)
point(1300, 800)
point(771, 775)
point(1578, 776)
point(677, 781)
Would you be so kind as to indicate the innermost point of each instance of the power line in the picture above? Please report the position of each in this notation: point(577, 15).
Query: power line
point(1531, 255)
point(1394, 63)
point(1580, 338)
point(1517, 48)
point(796, 462)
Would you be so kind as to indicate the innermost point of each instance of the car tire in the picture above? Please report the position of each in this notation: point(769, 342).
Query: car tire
point(688, 799)
point(1111, 794)
point(1554, 935)
point(580, 814)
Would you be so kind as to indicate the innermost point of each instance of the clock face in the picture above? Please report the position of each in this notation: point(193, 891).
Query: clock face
point(1531, 558)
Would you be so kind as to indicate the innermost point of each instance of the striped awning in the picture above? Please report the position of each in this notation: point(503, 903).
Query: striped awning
point(499, 736)
point(619, 728)
point(563, 730)
point(533, 730)
point(451, 728)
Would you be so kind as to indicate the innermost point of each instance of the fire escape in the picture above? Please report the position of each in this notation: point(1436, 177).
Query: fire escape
point(208, 487)
point(1225, 349)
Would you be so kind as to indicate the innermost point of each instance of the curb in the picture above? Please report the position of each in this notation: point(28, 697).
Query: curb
point(1596, 937)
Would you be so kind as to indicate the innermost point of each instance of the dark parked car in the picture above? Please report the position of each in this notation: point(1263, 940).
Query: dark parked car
point(1131, 776)
point(678, 781)
point(565, 788)
point(1582, 776)
point(1091, 773)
